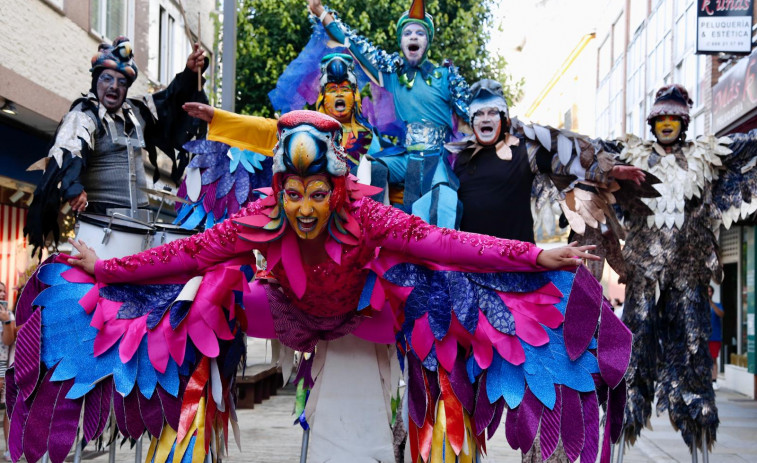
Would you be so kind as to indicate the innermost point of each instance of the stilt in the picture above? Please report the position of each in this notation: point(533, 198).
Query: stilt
point(113, 432)
point(304, 449)
point(705, 447)
point(138, 451)
point(621, 447)
point(694, 454)
point(77, 449)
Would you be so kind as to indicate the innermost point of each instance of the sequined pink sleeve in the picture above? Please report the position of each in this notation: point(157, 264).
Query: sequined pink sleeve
point(397, 231)
point(187, 256)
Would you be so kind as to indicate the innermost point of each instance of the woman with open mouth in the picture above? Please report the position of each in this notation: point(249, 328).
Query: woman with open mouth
point(483, 324)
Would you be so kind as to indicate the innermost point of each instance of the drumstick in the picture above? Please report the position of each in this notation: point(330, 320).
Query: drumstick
point(199, 40)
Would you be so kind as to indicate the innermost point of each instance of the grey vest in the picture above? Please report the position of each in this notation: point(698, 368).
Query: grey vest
point(115, 157)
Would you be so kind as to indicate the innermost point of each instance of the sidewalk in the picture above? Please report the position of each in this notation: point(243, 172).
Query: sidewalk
point(268, 436)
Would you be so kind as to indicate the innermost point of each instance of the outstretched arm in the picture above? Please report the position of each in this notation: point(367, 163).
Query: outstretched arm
point(257, 134)
point(396, 231)
point(185, 257)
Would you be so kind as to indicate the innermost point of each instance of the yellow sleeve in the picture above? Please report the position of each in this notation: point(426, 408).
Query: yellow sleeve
point(247, 132)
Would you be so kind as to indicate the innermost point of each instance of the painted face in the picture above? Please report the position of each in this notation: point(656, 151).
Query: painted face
point(339, 101)
point(487, 125)
point(667, 129)
point(306, 204)
point(413, 43)
point(111, 89)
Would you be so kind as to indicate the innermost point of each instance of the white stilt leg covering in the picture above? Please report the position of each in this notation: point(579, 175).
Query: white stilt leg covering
point(349, 407)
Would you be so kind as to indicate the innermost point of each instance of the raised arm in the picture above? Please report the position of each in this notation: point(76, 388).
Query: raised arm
point(372, 59)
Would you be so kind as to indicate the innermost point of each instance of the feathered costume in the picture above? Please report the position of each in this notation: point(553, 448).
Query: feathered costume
point(672, 254)
point(156, 336)
point(93, 149)
point(427, 99)
point(233, 162)
point(496, 180)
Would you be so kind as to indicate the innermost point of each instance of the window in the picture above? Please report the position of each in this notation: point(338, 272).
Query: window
point(112, 18)
point(637, 14)
point(618, 38)
point(165, 62)
point(174, 46)
point(605, 62)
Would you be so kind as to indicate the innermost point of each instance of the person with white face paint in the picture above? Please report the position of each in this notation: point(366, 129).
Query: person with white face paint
point(496, 169)
point(427, 99)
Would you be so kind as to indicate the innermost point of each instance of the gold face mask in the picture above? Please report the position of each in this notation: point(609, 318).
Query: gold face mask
point(306, 204)
point(339, 101)
point(667, 129)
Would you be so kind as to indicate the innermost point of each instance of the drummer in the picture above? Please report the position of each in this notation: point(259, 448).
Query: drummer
point(95, 162)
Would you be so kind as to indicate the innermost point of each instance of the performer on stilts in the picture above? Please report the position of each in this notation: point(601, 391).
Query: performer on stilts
point(672, 255)
point(483, 323)
point(427, 100)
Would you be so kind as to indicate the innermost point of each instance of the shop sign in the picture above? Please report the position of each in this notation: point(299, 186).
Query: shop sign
point(724, 26)
point(735, 94)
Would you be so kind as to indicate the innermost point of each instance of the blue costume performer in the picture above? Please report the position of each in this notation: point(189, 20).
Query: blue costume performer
point(426, 98)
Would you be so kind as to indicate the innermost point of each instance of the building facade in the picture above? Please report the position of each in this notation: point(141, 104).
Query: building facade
point(644, 45)
point(45, 52)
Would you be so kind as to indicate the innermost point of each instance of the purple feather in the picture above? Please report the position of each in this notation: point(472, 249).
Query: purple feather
point(134, 422)
point(120, 412)
point(233, 205)
point(11, 390)
point(52, 421)
point(108, 389)
point(209, 200)
point(64, 424)
point(417, 391)
point(305, 371)
point(616, 405)
point(511, 428)
point(529, 415)
point(151, 412)
point(591, 426)
point(549, 434)
point(461, 386)
point(171, 405)
point(219, 209)
point(482, 415)
point(582, 313)
point(613, 347)
point(92, 411)
point(572, 426)
point(433, 385)
point(34, 286)
point(18, 425)
point(499, 409)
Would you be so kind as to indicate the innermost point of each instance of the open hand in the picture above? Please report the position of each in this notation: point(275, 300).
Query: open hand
point(196, 59)
point(201, 111)
point(566, 256)
point(315, 7)
point(631, 173)
point(87, 257)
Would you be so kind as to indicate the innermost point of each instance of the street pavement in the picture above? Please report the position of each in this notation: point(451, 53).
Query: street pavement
point(268, 436)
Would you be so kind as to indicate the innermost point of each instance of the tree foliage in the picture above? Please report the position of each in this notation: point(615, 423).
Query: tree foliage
point(270, 34)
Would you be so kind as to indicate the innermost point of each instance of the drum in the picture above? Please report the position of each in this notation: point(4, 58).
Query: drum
point(166, 232)
point(112, 237)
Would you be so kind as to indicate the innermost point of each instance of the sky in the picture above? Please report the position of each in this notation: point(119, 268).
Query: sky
point(538, 35)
